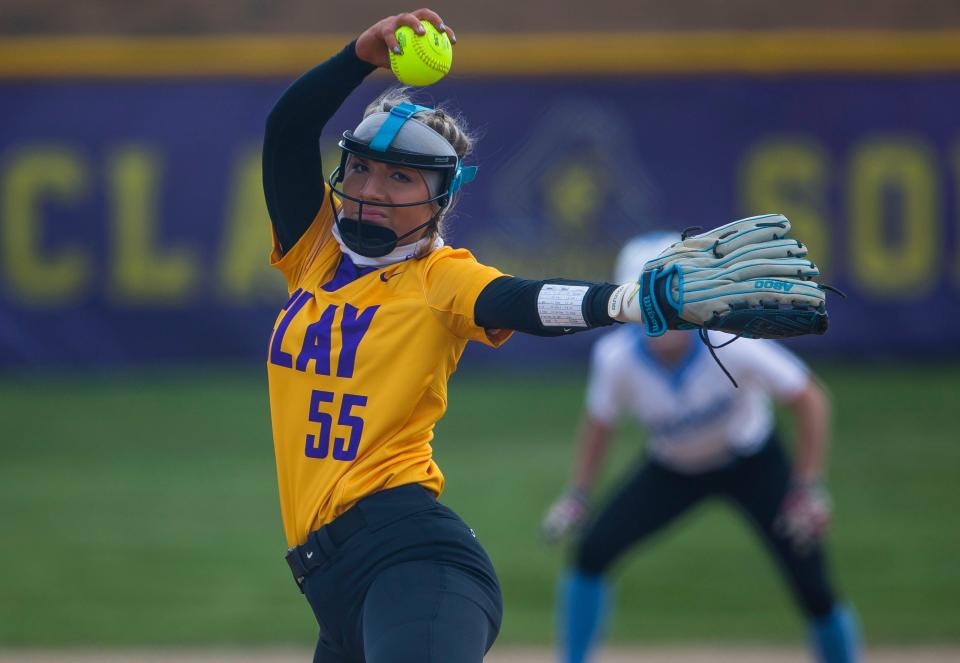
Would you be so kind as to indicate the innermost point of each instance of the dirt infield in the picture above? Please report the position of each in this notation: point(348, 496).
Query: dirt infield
point(704, 654)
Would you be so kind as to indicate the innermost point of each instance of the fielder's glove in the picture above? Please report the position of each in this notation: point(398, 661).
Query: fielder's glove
point(746, 278)
point(804, 516)
point(564, 516)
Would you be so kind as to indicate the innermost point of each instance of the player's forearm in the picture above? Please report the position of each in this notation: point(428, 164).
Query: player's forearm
point(811, 412)
point(292, 169)
point(592, 449)
point(553, 307)
point(314, 97)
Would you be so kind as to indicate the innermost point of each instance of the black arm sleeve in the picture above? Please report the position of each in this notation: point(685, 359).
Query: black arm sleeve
point(511, 303)
point(292, 173)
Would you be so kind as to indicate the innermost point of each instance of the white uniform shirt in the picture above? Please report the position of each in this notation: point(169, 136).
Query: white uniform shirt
point(696, 419)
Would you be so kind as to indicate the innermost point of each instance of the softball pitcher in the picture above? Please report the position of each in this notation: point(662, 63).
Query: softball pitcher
point(706, 439)
point(378, 315)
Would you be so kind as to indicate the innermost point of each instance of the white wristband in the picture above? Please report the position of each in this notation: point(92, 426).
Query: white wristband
point(561, 305)
point(624, 304)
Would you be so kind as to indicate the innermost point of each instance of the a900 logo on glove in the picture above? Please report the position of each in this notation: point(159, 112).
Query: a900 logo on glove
point(769, 284)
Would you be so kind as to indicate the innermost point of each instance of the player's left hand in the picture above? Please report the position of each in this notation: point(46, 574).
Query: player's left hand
point(565, 515)
point(804, 515)
point(373, 44)
point(746, 278)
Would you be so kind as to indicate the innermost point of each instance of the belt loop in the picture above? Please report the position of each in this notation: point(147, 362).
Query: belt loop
point(321, 538)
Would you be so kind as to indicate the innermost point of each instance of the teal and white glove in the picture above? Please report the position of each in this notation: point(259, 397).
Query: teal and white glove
point(746, 278)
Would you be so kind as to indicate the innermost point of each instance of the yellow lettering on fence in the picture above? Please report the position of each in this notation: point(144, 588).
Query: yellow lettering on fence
point(244, 269)
point(790, 175)
point(956, 215)
point(141, 272)
point(35, 176)
point(894, 216)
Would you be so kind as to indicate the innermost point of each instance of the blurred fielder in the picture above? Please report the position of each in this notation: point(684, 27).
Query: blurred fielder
point(706, 439)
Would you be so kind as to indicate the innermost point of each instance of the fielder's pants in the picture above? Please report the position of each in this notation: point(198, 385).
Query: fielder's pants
point(399, 578)
point(657, 495)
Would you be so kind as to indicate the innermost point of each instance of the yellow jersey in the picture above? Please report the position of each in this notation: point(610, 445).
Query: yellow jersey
point(358, 364)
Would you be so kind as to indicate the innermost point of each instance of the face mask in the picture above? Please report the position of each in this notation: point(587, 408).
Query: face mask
point(399, 254)
point(369, 239)
point(394, 137)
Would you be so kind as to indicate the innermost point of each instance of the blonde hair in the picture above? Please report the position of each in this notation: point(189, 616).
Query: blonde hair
point(449, 125)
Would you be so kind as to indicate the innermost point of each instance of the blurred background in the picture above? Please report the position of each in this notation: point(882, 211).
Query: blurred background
point(137, 486)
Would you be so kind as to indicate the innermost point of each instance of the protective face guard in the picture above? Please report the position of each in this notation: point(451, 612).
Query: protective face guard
point(350, 146)
point(370, 239)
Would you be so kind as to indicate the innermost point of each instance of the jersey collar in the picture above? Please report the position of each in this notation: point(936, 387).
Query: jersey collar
point(399, 254)
point(673, 375)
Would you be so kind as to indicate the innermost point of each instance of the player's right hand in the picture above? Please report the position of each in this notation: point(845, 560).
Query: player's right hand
point(804, 516)
point(567, 514)
point(373, 44)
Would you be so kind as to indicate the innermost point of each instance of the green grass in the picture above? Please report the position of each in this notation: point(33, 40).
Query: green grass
point(144, 511)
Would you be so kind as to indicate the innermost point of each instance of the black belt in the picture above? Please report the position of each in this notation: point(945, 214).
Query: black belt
point(322, 543)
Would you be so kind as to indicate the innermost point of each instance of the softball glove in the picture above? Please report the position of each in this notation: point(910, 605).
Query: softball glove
point(747, 278)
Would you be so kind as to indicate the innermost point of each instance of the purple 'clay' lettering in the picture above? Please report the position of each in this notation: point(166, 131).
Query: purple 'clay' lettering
point(316, 343)
point(277, 356)
point(352, 328)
